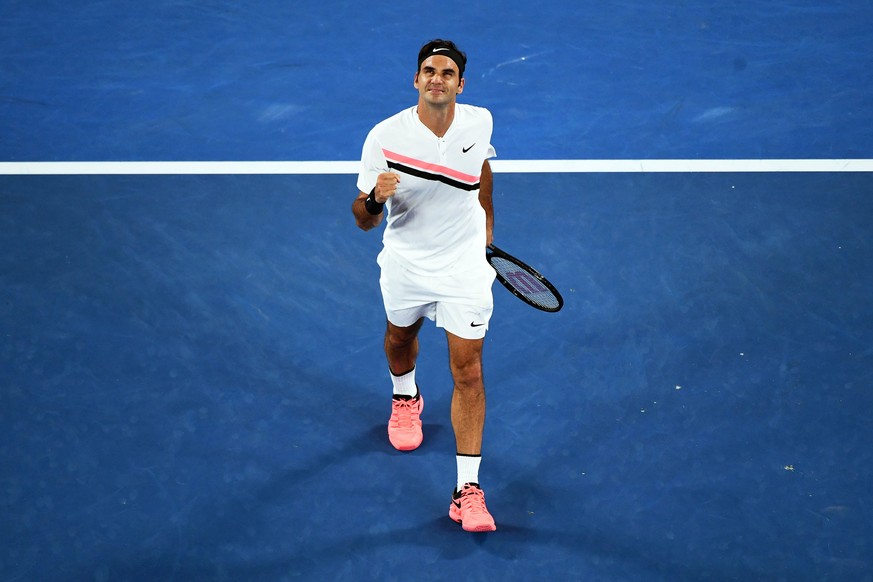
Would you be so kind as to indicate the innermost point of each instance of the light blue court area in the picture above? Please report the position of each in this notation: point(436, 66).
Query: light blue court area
point(194, 386)
point(269, 80)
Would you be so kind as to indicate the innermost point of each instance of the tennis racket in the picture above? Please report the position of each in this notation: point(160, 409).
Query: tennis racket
point(524, 281)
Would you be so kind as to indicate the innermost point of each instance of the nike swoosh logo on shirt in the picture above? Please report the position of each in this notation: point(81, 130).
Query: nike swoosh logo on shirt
point(465, 150)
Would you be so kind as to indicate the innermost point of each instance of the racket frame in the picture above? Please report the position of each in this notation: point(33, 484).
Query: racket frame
point(501, 254)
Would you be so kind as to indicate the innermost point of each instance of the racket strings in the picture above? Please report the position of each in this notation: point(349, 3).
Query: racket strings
point(525, 283)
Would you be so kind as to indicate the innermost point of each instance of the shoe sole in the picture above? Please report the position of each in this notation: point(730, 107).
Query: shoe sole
point(473, 529)
point(406, 448)
point(477, 529)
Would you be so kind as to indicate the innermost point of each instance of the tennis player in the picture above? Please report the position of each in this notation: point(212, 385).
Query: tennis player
point(427, 169)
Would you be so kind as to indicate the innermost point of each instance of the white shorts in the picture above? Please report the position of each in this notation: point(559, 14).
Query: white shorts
point(461, 303)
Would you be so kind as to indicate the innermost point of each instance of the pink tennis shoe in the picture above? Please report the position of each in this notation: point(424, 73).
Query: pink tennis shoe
point(404, 426)
point(468, 509)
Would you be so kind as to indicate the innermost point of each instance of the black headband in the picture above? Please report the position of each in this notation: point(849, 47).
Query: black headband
point(446, 52)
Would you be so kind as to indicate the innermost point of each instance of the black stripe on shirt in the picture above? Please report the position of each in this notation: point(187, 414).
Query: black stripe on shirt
point(431, 176)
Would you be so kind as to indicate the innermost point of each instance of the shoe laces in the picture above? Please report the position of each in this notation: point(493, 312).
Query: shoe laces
point(403, 410)
point(473, 499)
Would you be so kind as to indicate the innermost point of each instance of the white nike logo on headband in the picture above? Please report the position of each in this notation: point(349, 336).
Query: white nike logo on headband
point(440, 49)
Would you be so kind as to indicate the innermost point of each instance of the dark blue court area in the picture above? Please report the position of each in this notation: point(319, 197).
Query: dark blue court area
point(192, 382)
point(194, 389)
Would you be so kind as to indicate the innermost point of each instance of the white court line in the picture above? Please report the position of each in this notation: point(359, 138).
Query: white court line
point(656, 166)
point(131, 168)
point(499, 166)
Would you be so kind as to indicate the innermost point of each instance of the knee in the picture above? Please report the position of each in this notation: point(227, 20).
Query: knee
point(399, 341)
point(468, 376)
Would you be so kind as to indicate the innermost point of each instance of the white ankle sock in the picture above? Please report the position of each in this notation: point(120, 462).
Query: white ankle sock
point(468, 469)
point(405, 385)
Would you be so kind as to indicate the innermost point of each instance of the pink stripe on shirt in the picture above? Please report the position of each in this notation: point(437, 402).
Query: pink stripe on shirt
point(395, 157)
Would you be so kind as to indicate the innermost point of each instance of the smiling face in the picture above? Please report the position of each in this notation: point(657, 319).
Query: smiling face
point(438, 81)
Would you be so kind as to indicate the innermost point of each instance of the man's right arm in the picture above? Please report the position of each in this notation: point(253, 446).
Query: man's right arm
point(363, 218)
point(386, 187)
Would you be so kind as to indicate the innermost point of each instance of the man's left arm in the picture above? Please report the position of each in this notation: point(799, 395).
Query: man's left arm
point(486, 188)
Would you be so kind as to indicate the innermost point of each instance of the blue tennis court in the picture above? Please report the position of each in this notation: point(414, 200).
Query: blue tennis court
point(193, 383)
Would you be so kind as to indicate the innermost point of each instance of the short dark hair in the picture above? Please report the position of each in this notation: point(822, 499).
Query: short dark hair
point(448, 48)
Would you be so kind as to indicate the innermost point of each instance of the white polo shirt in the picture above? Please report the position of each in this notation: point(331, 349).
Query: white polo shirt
point(435, 224)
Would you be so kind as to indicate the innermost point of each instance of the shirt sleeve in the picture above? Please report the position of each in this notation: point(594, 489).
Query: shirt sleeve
point(491, 152)
point(373, 163)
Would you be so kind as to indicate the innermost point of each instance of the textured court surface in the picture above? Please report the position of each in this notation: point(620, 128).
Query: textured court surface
point(268, 80)
point(192, 380)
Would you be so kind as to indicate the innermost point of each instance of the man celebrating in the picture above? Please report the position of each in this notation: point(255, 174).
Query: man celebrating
point(428, 167)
